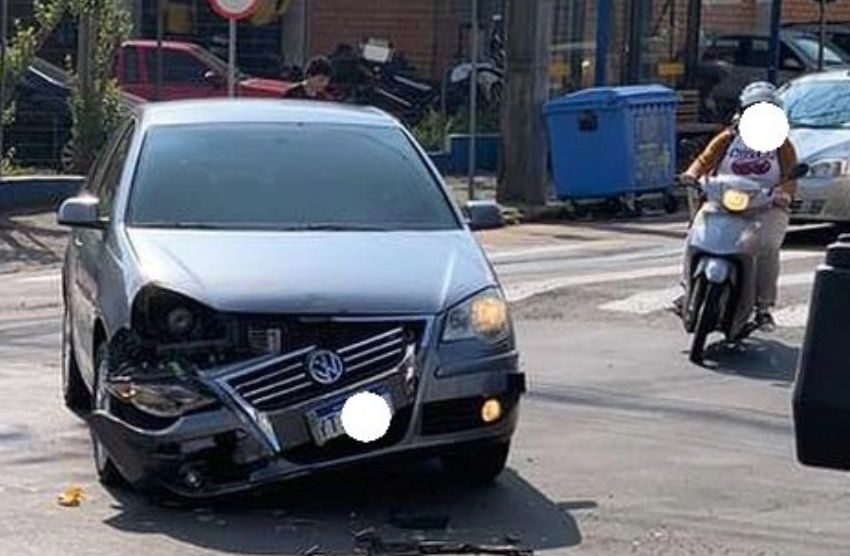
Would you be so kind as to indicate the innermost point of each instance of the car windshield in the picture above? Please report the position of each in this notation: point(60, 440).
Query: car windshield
point(216, 64)
point(285, 176)
point(817, 103)
point(832, 56)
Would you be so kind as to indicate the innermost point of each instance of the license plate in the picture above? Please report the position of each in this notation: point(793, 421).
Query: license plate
point(325, 422)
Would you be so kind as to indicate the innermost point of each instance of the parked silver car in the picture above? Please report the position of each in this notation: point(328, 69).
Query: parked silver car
point(238, 269)
point(818, 108)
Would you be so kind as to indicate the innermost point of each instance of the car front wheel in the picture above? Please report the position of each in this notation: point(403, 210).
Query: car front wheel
point(74, 392)
point(478, 465)
point(106, 470)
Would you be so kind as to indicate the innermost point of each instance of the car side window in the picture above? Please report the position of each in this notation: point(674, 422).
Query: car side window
point(182, 68)
point(758, 54)
point(95, 175)
point(114, 169)
point(131, 66)
point(789, 60)
point(725, 50)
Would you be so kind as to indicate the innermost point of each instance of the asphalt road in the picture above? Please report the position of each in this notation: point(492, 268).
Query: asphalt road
point(623, 446)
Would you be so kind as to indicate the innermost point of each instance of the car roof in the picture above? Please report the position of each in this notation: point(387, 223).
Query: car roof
point(842, 27)
point(220, 111)
point(832, 75)
point(785, 32)
point(173, 45)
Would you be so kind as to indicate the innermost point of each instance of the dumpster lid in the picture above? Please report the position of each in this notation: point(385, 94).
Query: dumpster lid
point(609, 97)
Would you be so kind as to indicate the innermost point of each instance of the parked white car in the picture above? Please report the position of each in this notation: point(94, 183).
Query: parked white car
point(818, 107)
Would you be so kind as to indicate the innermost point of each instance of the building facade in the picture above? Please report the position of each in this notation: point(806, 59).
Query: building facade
point(433, 33)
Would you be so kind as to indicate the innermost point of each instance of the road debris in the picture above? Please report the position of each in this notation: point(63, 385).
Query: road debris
point(419, 521)
point(376, 546)
point(72, 496)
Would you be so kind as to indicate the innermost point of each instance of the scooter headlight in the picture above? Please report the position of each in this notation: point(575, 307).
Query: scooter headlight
point(735, 201)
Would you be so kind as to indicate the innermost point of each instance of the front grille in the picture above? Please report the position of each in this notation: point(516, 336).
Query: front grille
point(285, 381)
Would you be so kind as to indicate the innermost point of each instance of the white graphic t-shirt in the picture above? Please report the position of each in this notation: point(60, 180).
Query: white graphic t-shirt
point(741, 160)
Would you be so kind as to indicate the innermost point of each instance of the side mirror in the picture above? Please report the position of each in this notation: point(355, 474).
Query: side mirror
point(80, 212)
point(799, 171)
point(483, 215)
point(792, 64)
point(214, 79)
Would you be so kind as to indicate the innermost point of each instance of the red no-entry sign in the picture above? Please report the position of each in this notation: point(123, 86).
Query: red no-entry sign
point(234, 9)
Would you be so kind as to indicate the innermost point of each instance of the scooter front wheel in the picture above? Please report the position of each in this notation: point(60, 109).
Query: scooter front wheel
point(709, 314)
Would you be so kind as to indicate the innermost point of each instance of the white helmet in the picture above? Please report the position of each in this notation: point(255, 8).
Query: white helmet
point(760, 91)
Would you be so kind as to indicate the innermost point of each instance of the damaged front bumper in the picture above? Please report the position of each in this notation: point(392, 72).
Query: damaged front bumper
point(249, 439)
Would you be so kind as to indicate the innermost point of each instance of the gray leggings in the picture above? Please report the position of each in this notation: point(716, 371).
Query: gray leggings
point(774, 224)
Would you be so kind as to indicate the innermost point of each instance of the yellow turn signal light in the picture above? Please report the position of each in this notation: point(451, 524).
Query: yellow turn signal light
point(491, 410)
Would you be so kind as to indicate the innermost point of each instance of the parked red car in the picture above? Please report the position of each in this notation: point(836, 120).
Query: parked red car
point(188, 71)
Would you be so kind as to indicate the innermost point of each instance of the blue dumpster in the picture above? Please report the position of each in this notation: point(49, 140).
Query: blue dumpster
point(612, 141)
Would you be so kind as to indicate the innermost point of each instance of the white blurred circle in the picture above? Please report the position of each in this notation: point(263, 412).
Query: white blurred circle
point(366, 417)
point(764, 127)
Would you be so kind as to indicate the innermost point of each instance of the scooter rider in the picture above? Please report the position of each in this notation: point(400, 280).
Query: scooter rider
point(727, 154)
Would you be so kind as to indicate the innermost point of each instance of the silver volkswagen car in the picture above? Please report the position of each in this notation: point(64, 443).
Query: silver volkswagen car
point(239, 269)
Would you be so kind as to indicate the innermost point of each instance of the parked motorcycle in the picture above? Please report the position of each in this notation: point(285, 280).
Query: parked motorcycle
point(721, 258)
point(490, 75)
point(377, 75)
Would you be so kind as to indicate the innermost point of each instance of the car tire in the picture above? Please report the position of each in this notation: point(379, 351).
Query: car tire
point(74, 391)
point(477, 465)
point(107, 472)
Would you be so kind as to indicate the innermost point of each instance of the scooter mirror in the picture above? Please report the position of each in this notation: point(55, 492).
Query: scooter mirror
point(799, 171)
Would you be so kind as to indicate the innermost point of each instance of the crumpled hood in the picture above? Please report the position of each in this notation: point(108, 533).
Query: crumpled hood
point(812, 144)
point(314, 272)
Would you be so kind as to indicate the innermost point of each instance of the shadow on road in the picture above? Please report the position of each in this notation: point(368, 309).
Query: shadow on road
point(816, 236)
point(321, 514)
point(756, 358)
point(30, 239)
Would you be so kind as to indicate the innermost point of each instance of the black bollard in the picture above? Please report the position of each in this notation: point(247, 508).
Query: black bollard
point(822, 389)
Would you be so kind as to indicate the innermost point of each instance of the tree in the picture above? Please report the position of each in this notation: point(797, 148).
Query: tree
point(96, 101)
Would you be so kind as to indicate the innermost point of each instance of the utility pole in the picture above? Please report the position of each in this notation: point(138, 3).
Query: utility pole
point(773, 48)
point(160, 32)
point(4, 29)
point(821, 31)
point(528, 28)
point(692, 46)
point(85, 70)
point(473, 98)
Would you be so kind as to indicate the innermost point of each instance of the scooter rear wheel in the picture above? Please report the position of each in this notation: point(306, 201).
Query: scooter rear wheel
point(709, 313)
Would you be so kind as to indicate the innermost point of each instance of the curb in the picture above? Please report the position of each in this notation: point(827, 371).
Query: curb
point(37, 192)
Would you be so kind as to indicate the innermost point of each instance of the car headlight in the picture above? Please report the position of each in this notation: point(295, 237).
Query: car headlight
point(829, 168)
point(483, 316)
point(169, 398)
point(735, 201)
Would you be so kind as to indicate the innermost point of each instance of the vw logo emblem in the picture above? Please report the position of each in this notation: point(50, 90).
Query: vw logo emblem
point(325, 367)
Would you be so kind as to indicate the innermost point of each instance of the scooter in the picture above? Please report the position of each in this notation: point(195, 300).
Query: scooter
point(722, 249)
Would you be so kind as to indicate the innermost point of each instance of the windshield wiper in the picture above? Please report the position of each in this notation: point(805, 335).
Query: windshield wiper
point(178, 225)
point(331, 227)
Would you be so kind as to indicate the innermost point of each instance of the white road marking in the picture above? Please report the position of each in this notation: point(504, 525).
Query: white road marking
point(40, 279)
point(519, 291)
point(644, 303)
point(651, 301)
point(795, 316)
